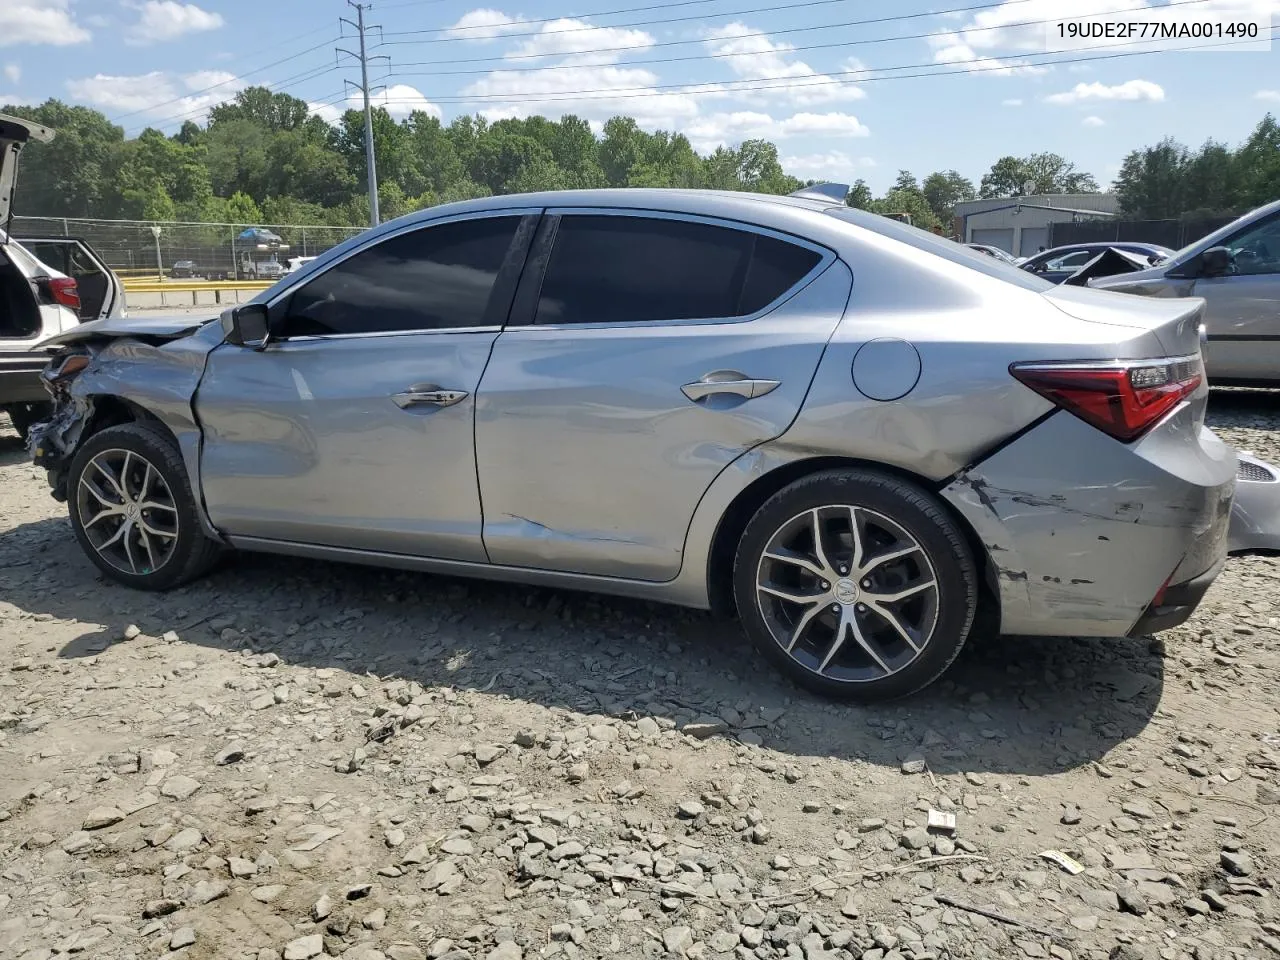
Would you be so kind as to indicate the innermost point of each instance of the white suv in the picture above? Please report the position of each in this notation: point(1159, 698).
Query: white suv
point(47, 285)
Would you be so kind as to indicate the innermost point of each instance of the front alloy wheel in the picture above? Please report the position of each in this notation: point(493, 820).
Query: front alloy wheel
point(132, 508)
point(127, 511)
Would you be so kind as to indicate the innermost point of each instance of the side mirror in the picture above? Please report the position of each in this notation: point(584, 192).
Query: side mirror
point(1216, 262)
point(246, 325)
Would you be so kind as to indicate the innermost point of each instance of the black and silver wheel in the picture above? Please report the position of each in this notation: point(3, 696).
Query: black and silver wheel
point(133, 511)
point(856, 584)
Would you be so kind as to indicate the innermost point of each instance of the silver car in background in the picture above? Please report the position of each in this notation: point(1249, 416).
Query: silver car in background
point(858, 436)
point(1236, 270)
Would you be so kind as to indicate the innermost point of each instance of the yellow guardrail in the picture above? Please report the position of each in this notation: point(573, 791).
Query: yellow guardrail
point(181, 286)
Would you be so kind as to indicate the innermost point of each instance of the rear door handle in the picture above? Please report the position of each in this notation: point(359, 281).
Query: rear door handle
point(730, 382)
point(428, 394)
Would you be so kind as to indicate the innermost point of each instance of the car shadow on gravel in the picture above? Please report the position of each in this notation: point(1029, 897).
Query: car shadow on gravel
point(1008, 705)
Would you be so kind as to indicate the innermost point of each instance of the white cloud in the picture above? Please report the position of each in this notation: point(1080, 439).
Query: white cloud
point(161, 20)
point(483, 24)
point(1272, 96)
point(951, 49)
point(1011, 103)
point(566, 36)
point(398, 99)
point(510, 93)
point(1130, 90)
point(1022, 27)
point(723, 129)
point(752, 55)
point(1093, 122)
point(833, 164)
point(12, 72)
point(157, 94)
point(39, 21)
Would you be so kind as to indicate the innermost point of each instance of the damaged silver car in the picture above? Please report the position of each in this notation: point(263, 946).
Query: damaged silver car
point(858, 436)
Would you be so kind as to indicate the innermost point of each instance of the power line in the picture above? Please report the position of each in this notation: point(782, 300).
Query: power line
point(713, 87)
point(609, 13)
point(276, 87)
point(755, 34)
point(223, 83)
point(729, 55)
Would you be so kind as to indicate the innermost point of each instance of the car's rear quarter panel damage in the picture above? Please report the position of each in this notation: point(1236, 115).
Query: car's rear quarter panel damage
point(1068, 549)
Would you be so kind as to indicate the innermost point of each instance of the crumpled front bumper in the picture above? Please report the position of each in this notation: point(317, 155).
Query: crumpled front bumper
point(1255, 515)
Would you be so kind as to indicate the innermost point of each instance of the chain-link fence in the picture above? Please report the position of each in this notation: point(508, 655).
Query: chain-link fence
point(221, 251)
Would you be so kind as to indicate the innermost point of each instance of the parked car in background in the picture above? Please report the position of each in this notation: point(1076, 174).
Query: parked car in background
point(1061, 262)
point(47, 286)
point(1236, 269)
point(678, 395)
point(184, 269)
point(993, 252)
point(297, 263)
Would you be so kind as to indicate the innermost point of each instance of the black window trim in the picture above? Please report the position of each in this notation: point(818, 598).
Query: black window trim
point(523, 235)
point(524, 310)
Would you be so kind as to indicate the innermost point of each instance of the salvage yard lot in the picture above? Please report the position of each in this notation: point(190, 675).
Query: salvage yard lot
point(291, 758)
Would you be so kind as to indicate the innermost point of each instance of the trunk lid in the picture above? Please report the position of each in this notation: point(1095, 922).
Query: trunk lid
point(1175, 322)
point(15, 133)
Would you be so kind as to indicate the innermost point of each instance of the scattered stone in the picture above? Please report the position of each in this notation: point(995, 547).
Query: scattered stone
point(179, 787)
point(914, 764)
point(677, 939)
point(100, 817)
point(705, 727)
point(182, 937)
point(229, 755)
point(1239, 864)
point(206, 891)
point(690, 810)
point(304, 948)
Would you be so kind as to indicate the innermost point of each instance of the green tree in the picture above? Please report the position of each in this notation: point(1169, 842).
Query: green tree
point(860, 195)
point(942, 191)
point(1044, 172)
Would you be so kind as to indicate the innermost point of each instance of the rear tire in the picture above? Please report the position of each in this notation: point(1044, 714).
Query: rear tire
point(872, 616)
point(133, 511)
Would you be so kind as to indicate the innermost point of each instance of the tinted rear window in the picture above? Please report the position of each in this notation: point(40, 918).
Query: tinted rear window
point(625, 269)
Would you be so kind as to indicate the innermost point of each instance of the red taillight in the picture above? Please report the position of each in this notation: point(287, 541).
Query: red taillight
point(1123, 399)
point(63, 290)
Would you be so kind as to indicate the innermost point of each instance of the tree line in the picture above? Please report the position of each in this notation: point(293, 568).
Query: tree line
point(266, 158)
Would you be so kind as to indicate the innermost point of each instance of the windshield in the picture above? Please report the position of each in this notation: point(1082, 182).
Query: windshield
point(1222, 233)
point(957, 253)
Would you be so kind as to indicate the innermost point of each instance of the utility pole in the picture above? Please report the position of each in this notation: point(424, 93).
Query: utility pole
point(364, 59)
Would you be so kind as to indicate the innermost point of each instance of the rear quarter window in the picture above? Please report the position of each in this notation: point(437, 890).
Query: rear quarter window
point(949, 250)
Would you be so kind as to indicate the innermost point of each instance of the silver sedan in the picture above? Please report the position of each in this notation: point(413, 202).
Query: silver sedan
point(860, 437)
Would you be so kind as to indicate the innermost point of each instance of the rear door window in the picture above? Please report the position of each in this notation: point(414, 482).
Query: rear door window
point(628, 269)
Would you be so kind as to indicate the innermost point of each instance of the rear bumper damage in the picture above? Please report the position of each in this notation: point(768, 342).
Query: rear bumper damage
point(1176, 603)
point(1084, 532)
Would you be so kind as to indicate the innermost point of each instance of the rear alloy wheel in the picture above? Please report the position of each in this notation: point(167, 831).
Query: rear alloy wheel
point(856, 584)
point(132, 509)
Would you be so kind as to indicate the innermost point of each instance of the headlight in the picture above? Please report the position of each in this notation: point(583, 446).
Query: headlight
point(62, 371)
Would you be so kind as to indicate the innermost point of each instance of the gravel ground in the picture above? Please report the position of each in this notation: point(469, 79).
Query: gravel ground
point(294, 759)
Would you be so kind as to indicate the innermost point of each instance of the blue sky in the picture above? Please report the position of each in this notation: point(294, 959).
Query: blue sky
point(834, 91)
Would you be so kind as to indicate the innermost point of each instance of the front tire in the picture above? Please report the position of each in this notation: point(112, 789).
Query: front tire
point(133, 511)
point(856, 584)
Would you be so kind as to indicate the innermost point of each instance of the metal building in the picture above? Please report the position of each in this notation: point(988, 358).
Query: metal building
point(1020, 225)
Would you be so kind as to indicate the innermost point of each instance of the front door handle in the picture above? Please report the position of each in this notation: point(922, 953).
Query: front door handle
point(728, 381)
point(422, 394)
